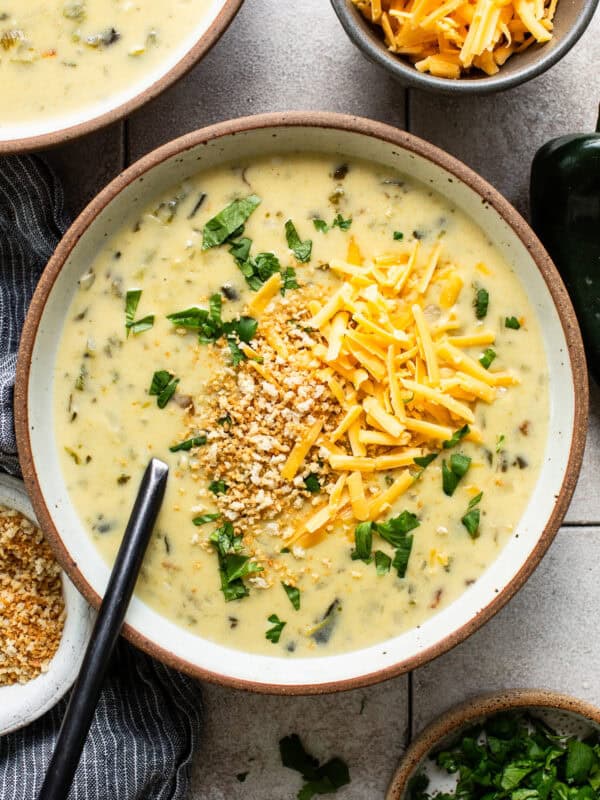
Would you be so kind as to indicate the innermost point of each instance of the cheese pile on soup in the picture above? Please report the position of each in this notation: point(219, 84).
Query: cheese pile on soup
point(347, 381)
point(63, 56)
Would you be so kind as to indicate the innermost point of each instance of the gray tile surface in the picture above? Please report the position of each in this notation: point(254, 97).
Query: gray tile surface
point(498, 135)
point(86, 165)
point(547, 637)
point(368, 728)
point(279, 55)
point(275, 56)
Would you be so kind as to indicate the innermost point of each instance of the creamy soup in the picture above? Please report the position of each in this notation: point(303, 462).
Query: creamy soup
point(347, 381)
point(59, 56)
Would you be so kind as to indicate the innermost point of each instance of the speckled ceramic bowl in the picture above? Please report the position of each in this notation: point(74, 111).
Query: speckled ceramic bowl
point(59, 127)
point(564, 713)
point(20, 703)
point(571, 20)
point(339, 136)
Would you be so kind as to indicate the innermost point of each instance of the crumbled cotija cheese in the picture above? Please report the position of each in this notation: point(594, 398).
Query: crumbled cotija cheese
point(32, 611)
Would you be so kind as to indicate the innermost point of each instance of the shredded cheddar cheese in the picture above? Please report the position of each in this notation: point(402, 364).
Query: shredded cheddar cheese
point(448, 38)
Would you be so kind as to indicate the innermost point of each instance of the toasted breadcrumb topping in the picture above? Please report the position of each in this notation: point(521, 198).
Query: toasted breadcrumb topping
point(32, 611)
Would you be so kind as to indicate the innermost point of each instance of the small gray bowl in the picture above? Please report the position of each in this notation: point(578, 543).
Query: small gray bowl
point(571, 19)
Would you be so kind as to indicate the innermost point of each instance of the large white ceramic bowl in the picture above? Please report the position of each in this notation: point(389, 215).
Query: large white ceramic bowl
point(59, 126)
point(352, 137)
point(21, 703)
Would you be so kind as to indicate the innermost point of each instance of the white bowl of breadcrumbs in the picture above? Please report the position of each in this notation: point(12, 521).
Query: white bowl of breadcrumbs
point(44, 621)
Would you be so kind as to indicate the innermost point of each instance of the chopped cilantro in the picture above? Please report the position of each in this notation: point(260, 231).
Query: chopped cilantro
point(237, 354)
point(225, 420)
point(425, 461)
point(512, 322)
point(132, 299)
point(472, 517)
point(301, 249)
point(312, 483)
point(459, 465)
point(228, 221)
point(211, 327)
point(274, 633)
point(318, 778)
point(341, 223)
point(338, 222)
point(398, 236)
point(204, 518)
point(288, 278)
point(394, 530)
point(488, 356)
point(233, 564)
point(293, 594)
point(481, 303)
point(363, 541)
point(456, 437)
point(382, 562)
point(516, 756)
point(402, 555)
point(163, 387)
point(195, 441)
point(218, 487)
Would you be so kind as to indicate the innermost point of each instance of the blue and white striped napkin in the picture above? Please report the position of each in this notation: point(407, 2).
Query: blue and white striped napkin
point(147, 725)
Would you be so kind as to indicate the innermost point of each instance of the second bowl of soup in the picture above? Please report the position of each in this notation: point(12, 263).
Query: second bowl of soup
point(361, 369)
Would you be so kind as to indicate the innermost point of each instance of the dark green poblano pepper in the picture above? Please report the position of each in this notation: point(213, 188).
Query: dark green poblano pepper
point(565, 213)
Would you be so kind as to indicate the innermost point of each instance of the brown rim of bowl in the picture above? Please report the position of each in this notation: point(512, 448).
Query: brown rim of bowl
point(205, 43)
point(406, 141)
point(468, 712)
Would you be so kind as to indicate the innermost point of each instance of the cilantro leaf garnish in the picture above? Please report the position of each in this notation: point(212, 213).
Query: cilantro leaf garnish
point(288, 277)
point(312, 483)
point(425, 461)
point(398, 236)
point(274, 633)
point(481, 303)
point(319, 778)
point(456, 437)
point(512, 322)
point(195, 441)
point(338, 222)
point(341, 223)
point(301, 249)
point(394, 530)
point(472, 517)
point(211, 327)
point(163, 387)
point(222, 226)
point(132, 300)
point(382, 562)
point(363, 540)
point(217, 487)
point(451, 475)
point(233, 564)
point(402, 555)
point(488, 356)
point(293, 594)
point(203, 519)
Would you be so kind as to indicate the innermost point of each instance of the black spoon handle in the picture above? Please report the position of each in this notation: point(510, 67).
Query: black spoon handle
point(82, 705)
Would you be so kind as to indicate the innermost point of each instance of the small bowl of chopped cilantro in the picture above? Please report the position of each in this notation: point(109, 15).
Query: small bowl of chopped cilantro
point(514, 745)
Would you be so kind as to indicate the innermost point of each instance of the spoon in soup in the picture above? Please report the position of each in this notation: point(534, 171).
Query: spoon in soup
point(84, 698)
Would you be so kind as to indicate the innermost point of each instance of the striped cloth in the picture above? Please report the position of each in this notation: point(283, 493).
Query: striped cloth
point(147, 725)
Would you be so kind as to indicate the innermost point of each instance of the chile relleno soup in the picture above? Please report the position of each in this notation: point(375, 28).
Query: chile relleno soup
point(348, 379)
point(65, 62)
